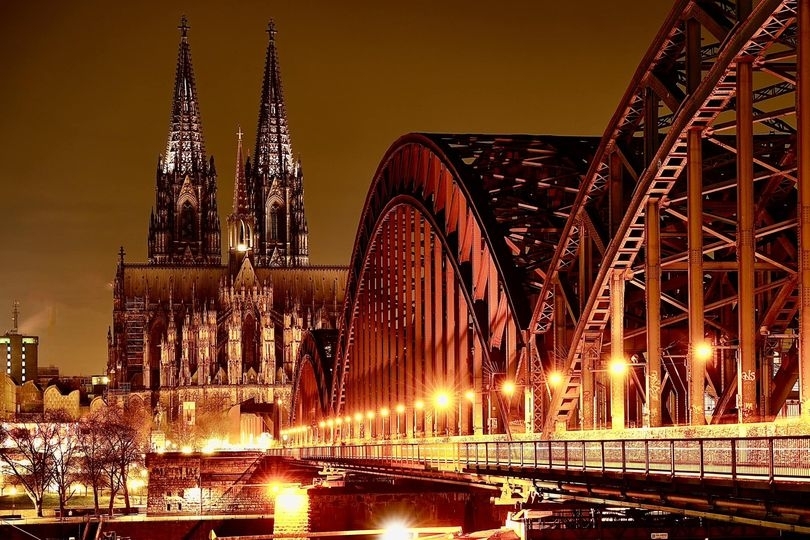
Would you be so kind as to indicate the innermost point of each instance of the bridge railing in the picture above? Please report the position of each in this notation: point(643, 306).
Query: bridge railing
point(752, 458)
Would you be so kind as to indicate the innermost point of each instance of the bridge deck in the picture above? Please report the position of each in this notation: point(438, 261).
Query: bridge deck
point(758, 480)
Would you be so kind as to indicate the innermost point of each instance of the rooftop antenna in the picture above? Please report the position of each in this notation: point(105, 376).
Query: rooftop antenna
point(15, 316)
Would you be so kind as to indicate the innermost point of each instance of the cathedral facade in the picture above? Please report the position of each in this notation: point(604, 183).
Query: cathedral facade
point(189, 327)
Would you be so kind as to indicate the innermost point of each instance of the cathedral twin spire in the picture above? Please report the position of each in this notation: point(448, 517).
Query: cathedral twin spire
point(267, 222)
point(185, 149)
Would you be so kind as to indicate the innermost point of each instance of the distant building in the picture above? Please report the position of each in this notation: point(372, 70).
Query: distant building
point(8, 397)
point(46, 374)
point(21, 352)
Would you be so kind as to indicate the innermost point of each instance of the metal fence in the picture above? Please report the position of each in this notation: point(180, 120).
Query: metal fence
point(775, 459)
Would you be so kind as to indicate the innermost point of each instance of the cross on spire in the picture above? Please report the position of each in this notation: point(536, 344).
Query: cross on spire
point(271, 29)
point(239, 133)
point(184, 27)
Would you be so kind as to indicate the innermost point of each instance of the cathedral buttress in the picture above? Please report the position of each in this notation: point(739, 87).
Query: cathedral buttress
point(278, 182)
point(184, 225)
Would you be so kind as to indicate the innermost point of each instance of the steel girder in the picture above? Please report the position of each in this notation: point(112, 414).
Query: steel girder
point(687, 85)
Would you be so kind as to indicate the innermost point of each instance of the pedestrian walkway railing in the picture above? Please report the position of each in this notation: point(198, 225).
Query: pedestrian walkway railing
point(775, 459)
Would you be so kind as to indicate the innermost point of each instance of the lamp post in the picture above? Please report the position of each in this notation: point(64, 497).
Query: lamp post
point(508, 389)
point(384, 412)
point(400, 409)
point(441, 401)
point(418, 406)
point(469, 395)
point(370, 415)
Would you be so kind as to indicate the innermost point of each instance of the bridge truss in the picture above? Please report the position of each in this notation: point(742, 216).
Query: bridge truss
point(539, 260)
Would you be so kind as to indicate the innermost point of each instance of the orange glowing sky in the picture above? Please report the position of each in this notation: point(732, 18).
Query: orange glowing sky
point(85, 98)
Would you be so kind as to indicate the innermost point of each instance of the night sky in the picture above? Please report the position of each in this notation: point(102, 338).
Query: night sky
point(85, 96)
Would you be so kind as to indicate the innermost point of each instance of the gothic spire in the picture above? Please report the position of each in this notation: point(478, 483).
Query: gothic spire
point(185, 150)
point(241, 204)
point(273, 149)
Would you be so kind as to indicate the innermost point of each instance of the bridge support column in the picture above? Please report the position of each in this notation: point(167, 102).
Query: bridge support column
point(695, 366)
point(618, 375)
point(746, 372)
point(803, 121)
point(653, 292)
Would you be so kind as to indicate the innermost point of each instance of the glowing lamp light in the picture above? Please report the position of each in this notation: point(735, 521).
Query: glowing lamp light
point(508, 388)
point(470, 395)
point(555, 378)
point(291, 501)
point(384, 412)
point(348, 419)
point(703, 351)
point(617, 366)
point(395, 531)
point(322, 424)
point(241, 247)
point(338, 421)
point(442, 400)
point(186, 449)
point(370, 415)
point(358, 417)
point(330, 422)
point(400, 408)
point(419, 404)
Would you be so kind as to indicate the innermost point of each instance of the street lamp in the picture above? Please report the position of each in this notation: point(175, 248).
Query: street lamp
point(400, 410)
point(339, 429)
point(469, 395)
point(441, 401)
point(508, 389)
point(384, 412)
point(358, 417)
point(370, 416)
point(703, 351)
point(417, 406)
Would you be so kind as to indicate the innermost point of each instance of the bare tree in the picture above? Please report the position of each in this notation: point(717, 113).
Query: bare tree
point(65, 456)
point(94, 450)
point(28, 450)
point(123, 428)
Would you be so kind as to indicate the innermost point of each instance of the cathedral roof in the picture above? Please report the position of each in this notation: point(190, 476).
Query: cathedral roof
point(309, 286)
point(185, 149)
point(273, 158)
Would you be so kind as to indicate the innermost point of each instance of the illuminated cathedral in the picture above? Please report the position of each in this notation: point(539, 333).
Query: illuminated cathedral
point(186, 324)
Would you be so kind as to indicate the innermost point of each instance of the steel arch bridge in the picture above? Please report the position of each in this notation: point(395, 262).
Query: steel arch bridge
point(653, 276)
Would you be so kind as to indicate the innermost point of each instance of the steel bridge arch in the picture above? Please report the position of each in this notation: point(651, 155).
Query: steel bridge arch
point(311, 381)
point(442, 204)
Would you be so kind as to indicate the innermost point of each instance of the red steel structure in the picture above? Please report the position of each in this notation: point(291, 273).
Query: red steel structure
point(497, 280)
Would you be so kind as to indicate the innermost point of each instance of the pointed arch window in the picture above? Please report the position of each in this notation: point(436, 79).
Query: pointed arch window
point(188, 222)
point(273, 222)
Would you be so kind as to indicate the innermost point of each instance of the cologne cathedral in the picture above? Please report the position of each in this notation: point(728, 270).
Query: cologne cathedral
point(186, 324)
